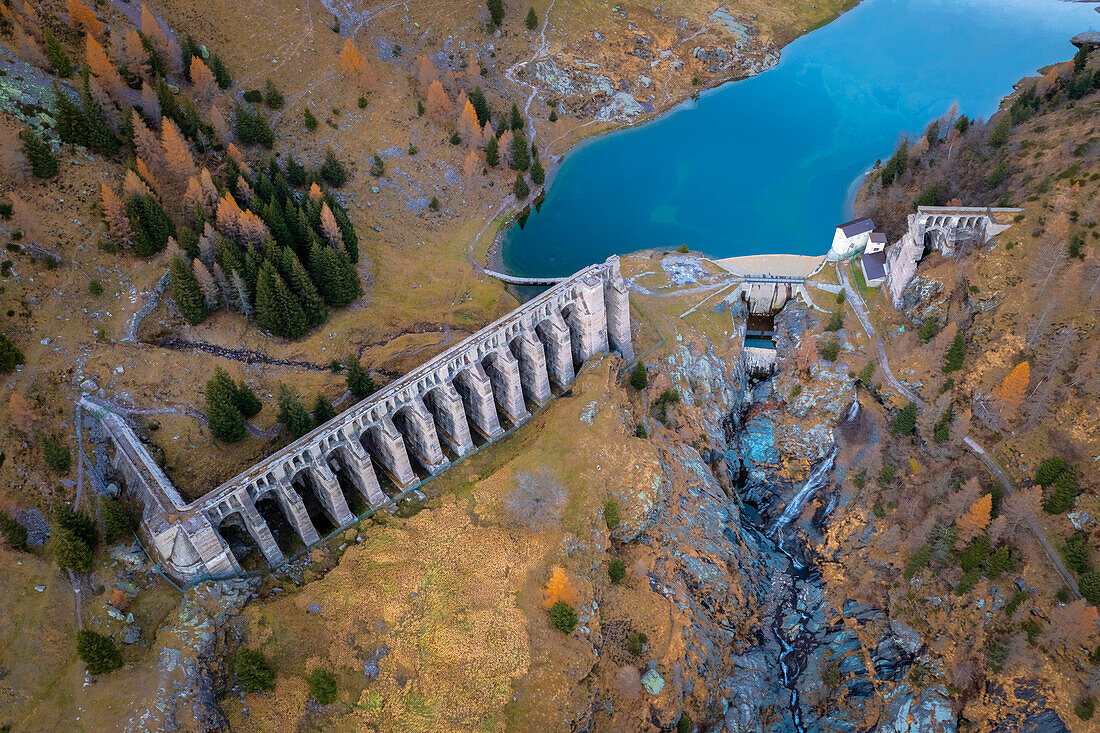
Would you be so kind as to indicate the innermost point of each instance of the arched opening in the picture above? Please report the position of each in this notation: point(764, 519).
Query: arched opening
point(435, 401)
point(528, 370)
point(933, 240)
point(413, 431)
point(574, 334)
point(286, 537)
point(233, 530)
point(340, 467)
point(463, 383)
point(371, 440)
point(306, 486)
point(491, 364)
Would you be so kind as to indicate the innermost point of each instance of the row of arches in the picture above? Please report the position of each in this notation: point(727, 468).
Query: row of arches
point(404, 438)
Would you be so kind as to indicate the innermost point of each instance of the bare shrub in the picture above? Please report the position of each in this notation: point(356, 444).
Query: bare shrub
point(537, 501)
point(629, 682)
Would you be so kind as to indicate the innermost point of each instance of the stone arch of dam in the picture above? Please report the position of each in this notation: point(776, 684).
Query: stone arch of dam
point(422, 421)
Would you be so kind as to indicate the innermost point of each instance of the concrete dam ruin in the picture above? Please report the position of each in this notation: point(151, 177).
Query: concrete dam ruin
point(427, 418)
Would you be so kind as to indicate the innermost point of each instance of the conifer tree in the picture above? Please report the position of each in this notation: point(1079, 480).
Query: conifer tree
point(333, 274)
point(97, 651)
point(59, 60)
point(42, 160)
point(323, 411)
point(221, 71)
point(247, 401)
point(186, 292)
point(905, 421)
point(292, 414)
point(303, 288)
point(71, 127)
point(953, 359)
point(515, 119)
point(276, 308)
point(481, 105)
point(97, 135)
point(152, 227)
point(532, 19)
point(520, 187)
point(521, 157)
point(496, 13)
point(492, 153)
point(226, 420)
point(538, 175)
point(358, 379)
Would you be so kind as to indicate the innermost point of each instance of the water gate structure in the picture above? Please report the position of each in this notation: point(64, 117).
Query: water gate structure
point(435, 411)
point(941, 228)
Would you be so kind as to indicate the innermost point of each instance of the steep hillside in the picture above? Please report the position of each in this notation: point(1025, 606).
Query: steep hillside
point(938, 536)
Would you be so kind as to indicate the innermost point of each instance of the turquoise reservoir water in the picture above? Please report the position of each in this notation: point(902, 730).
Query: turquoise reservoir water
point(766, 164)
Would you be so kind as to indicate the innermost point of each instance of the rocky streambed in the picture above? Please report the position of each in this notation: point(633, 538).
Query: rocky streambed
point(813, 660)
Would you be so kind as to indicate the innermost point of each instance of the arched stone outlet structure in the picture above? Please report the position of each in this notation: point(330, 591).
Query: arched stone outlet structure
point(430, 413)
point(939, 228)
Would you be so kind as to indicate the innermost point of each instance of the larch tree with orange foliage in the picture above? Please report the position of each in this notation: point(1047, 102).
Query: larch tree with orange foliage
point(103, 69)
point(559, 588)
point(330, 228)
point(132, 52)
point(23, 415)
point(426, 73)
point(203, 79)
point(1013, 389)
point(468, 128)
point(83, 18)
point(177, 152)
point(973, 522)
point(168, 50)
point(470, 165)
point(114, 214)
point(349, 58)
point(367, 78)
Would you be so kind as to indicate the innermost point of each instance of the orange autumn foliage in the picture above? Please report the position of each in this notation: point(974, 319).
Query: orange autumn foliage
point(349, 58)
point(468, 128)
point(1014, 387)
point(559, 588)
point(426, 73)
point(83, 18)
point(103, 69)
point(974, 521)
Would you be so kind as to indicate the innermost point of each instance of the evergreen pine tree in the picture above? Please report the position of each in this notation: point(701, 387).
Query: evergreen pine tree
point(532, 19)
point(220, 70)
point(151, 225)
point(98, 652)
point(521, 157)
point(272, 214)
point(43, 162)
point(277, 310)
point(496, 12)
point(226, 420)
point(538, 175)
point(359, 380)
point(98, 136)
point(953, 359)
point(117, 520)
point(515, 119)
point(332, 171)
point(71, 127)
point(302, 286)
point(492, 153)
point(292, 414)
point(59, 60)
point(333, 274)
point(480, 105)
point(186, 292)
point(520, 187)
point(247, 401)
point(323, 410)
point(905, 421)
point(295, 173)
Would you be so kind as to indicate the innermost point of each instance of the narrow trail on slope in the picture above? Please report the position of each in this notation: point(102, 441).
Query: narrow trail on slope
point(860, 309)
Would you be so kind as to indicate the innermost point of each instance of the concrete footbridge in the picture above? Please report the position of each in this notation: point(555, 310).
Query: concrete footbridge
point(412, 428)
point(513, 280)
